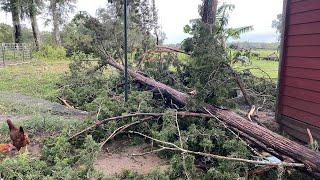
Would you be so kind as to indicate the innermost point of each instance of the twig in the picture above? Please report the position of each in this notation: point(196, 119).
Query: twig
point(122, 128)
point(65, 103)
point(181, 145)
point(251, 112)
point(99, 123)
point(177, 148)
point(149, 152)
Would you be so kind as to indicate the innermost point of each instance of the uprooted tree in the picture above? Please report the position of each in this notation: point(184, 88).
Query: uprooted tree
point(208, 137)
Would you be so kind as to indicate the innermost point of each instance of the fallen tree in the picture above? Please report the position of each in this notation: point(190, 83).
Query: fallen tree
point(270, 140)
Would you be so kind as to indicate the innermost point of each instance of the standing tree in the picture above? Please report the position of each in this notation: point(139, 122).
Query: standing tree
point(31, 10)
point(277, 24)
point(59, 10)
point(208, 13)
point(14, 6)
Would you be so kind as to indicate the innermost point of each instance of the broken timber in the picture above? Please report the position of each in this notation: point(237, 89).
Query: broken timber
point(269, 139)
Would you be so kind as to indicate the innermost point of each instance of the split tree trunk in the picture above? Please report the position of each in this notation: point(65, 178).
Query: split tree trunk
point(268, 138)
point(15, 11)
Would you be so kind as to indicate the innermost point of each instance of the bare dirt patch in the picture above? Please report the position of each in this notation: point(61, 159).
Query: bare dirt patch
point(117, 157)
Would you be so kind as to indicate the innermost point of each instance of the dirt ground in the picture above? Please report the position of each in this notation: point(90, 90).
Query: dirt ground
point(117, 157)
point(12, 63)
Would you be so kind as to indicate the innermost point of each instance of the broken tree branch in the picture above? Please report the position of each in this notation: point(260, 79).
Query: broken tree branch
point(64, 102)
point(174, 147)
point(122, 128)
point(99, 123)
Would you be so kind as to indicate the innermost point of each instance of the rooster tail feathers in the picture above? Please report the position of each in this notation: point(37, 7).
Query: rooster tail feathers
point(10, 124)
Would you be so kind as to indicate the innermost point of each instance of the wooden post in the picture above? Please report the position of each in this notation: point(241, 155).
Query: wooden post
point(3, 53)
point(22, 46)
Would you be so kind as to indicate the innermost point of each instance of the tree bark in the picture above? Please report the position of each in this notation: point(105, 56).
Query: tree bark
point(15, 11)
point(268, 138)
point(34, 24)
point(56, 21)
point(209, 13)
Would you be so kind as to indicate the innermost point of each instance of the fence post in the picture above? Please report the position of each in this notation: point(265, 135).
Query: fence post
point(3, 53)
point(22, 52)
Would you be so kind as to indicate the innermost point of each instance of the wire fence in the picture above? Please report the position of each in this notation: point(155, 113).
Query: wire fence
point(15, 53)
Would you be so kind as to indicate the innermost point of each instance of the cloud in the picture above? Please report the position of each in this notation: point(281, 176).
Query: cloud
point(175, 14)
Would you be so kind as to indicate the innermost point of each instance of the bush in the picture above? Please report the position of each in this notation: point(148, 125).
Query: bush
point(59, 160)
point(51, 52)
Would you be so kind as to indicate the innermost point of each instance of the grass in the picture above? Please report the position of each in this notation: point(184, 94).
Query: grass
point(42, 124)
point(37, 79)
point(261, 68)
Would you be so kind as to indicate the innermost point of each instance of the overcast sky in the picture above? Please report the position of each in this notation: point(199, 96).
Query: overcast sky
point(175, 14)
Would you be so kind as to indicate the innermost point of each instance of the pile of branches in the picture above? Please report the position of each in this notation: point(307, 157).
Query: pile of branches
point(249, 134)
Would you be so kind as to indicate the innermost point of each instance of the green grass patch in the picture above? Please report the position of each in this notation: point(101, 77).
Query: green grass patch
point(37, 79)
point(43, 124)
point(261, 68)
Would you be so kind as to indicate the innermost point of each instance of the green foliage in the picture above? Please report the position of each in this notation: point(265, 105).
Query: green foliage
point(5, 33)
point(80, 86)
point(51, 52)
point(277, 24)
point(76, 36)
point(59, 160)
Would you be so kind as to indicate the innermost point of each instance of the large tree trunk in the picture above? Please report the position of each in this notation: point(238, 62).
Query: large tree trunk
point(268, 138)
point(15, 11)
point(56, 21)
point(209, 12)
point(34, 24)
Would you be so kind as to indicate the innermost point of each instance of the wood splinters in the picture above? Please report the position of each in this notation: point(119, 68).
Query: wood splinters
point(251, 112)
point(311, 140)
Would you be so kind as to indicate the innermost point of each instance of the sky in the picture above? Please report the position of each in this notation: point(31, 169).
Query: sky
point(175, 14)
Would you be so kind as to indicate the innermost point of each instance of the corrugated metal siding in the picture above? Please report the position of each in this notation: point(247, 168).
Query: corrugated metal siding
point(300, 73)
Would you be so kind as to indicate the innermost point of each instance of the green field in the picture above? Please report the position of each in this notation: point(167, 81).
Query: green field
point(37, 79)
point(261, 68)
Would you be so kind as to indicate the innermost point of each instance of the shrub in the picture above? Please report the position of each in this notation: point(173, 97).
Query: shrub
point(51, 52)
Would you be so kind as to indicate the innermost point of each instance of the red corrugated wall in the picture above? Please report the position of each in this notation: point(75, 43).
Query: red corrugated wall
point(299, 99)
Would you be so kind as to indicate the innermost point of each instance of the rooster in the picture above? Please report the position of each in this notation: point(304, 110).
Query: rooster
point(18, 137)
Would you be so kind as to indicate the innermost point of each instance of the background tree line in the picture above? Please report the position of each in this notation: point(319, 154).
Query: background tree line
point(57, 10)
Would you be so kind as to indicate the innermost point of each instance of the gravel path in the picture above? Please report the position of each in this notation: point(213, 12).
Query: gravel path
point(43, 105)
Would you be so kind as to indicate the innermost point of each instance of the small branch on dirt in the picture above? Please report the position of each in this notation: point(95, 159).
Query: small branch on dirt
point(177, 148)
point(122, 128)
point(64, 102)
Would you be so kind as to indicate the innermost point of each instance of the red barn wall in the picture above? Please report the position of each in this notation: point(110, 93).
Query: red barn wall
point(299, 80)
